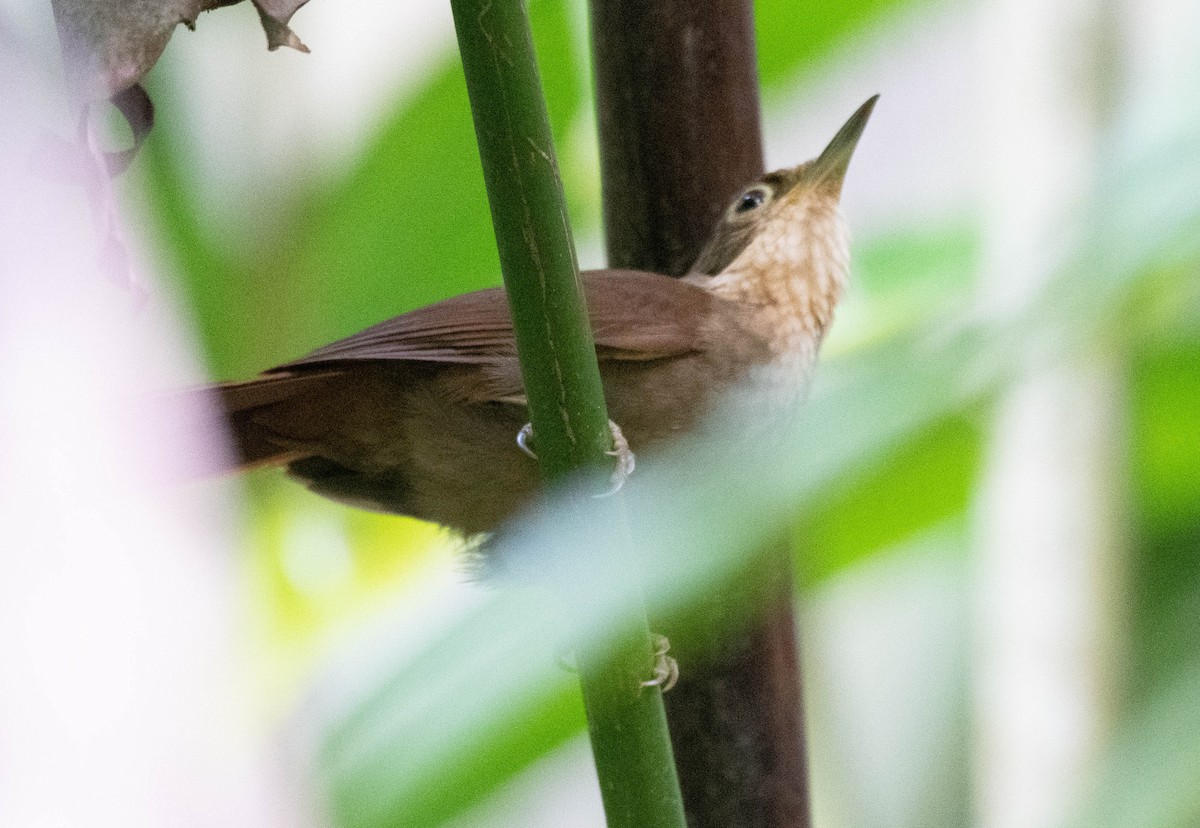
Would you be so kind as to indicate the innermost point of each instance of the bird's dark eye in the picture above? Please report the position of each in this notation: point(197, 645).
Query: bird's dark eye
point(752, 199)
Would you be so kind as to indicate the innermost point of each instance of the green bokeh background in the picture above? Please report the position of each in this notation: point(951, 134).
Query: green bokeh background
point(406, 223)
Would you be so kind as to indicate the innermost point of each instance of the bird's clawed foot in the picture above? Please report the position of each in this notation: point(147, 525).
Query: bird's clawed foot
point(666, 668)
point(664, 674)
point(626, 461)
point(525, 440)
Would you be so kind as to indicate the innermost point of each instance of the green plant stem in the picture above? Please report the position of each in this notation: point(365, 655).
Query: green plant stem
point(537, 257)
point(628, 728)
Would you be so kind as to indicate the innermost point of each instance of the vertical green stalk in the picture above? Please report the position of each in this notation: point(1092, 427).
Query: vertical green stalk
point(537, 257)
point(628, 728)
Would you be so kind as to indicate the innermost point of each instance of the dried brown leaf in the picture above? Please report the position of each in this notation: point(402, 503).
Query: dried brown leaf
point(275, 15)
point(110, 45)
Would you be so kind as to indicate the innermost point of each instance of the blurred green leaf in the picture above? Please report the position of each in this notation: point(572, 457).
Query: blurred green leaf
point(888, 447)
point(1166, 435)
point(795, 34)
point(926, 482)
point(1165, 459)
point(930, 478)
point(934, 261)
point(491, 668)
point(444, 730)
point(410, 224)
point(222, 301)
point(405, 226)
point(1151, 777)
point(861, 413)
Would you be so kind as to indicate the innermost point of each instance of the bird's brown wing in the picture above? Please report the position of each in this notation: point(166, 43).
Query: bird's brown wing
point(645, 316)
point(343, 397)
point(634, 316)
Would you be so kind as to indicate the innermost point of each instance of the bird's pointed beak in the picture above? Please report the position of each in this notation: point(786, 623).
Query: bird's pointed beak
point(830, 166)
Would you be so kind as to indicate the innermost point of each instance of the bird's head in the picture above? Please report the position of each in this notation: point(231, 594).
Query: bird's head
point(788, 217)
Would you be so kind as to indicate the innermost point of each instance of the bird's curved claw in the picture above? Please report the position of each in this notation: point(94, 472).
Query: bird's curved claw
point(666, 669)
point(626, 461)
point(525, 440)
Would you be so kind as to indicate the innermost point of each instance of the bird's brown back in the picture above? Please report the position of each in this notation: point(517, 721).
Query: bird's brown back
point(418, 415)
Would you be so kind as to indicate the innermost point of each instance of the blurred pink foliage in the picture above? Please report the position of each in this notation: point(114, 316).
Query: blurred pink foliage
point(121, 699)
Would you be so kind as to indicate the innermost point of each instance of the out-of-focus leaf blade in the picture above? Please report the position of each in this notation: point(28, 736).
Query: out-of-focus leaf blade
point(405, 226)
point(792, 34)
point(409, 225)
point(224, 302)
point(860, 413)
point(1165, 489)
point(926, 482)
point(1151, 777)
point(425, 746)
point(1167, 439)
point(929, 479)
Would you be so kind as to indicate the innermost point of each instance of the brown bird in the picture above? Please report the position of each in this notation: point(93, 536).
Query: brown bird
point(418, 415)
